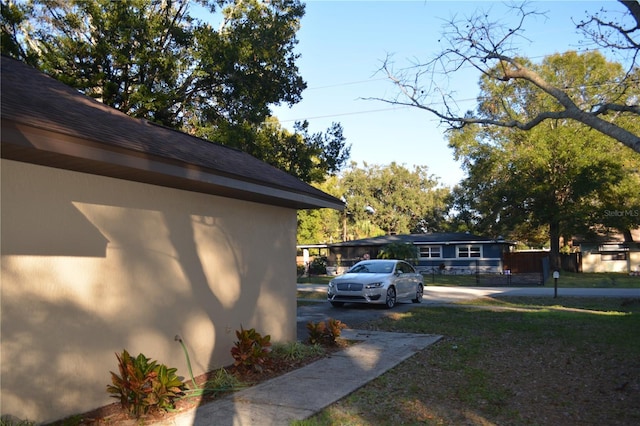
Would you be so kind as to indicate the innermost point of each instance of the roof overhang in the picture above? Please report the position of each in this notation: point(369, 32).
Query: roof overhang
point(439, 243)
point(26, 143)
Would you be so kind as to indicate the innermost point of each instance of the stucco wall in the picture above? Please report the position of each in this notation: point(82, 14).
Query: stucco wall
point(93, 265)
point(592, 262)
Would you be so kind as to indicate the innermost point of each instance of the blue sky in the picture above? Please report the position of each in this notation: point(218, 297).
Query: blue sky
point(342, 45)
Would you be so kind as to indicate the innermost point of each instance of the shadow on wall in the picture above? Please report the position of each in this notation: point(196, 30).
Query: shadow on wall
point(132, 266)
point(32, 230)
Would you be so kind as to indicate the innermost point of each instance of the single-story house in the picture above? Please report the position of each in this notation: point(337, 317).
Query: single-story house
point(118, 233)
point(610, 253)
point(446, 252)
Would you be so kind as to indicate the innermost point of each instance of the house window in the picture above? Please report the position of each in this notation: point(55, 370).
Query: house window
point(469, 251)
point(613, 252)
point(614, 255)
point(430, 251)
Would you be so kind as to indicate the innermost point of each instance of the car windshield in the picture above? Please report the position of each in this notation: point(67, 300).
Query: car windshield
point(372, 268)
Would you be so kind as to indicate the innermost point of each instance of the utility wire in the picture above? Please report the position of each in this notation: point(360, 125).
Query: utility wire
point(396, 107)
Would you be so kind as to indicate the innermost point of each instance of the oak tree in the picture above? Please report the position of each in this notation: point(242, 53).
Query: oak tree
point(560, 177)
point(394, 198)
point(379, 200)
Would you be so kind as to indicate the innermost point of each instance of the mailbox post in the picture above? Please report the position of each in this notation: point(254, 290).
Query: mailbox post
point(556, 275)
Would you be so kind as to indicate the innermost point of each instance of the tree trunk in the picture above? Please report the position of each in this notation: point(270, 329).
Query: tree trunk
point(554, 236)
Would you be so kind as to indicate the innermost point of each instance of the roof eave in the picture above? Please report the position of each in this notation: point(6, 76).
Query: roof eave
point(25, 143)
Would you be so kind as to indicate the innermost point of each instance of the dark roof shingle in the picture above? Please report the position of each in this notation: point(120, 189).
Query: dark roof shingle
point(431, 238)
point(33, 99)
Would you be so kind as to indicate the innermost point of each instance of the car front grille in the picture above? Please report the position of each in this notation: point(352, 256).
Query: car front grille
point(349, 287)
point(346, 298)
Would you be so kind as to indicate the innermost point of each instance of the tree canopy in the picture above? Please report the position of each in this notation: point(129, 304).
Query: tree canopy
point(308, 156)
point(156, 60)
point(558, 179)
point(152, 59)
point(403, 200)
point(379, 200)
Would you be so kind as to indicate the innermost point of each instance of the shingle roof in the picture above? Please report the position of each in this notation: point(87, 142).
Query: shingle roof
point(432, 238)
point(49, 123)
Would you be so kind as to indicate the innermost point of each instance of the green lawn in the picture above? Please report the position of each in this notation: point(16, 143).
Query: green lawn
point(508, 361)
point(566, 280)
point(316, 279)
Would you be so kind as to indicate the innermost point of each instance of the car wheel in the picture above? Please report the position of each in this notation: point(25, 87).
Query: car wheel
point(391, 298)
point(419, 293)
point(337, 304)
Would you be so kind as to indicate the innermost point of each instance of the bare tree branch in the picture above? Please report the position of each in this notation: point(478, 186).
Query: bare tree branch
point(490, 48)
point(613, 34)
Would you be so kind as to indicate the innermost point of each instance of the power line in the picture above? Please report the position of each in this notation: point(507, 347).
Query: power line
point(347, 113)
point(396, 107)
point(348, 83)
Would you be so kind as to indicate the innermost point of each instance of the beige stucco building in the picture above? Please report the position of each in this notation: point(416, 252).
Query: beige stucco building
point(120, 234)
point(611, 253)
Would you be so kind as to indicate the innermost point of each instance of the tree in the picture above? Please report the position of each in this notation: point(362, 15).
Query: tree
point(559, 175)
point(321, 225)
point(310, 157)
point(487, 46)
point(616, 35)
point(394, 198)
point(404, 251)
point(151, 59)
point(13, 20)
point(379, 200)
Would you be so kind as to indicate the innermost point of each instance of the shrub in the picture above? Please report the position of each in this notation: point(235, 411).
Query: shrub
point(316, 332)
point(402, 251)
point(325, 334)
point(300, 269)
point(251, 351)
point(318, 266)
point(144, 385)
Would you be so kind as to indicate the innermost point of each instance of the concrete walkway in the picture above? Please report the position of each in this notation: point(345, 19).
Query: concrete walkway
point(303, 392)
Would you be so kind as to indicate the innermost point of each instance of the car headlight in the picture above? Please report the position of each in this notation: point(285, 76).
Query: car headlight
point(374, 285)
point(330, 284)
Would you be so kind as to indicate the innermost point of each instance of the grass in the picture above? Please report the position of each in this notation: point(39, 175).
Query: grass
point(296, 351)
point(516, 361)
point(566, 280)
point(312, 295)
point(316, 279)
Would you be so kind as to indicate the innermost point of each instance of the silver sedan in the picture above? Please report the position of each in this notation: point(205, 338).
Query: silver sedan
point(378, 281)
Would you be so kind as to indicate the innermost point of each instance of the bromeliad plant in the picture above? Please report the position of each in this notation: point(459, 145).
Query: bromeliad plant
point(252, 350)
point(144, 385)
